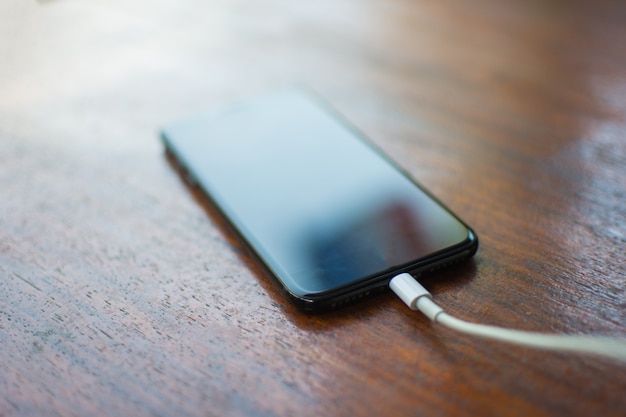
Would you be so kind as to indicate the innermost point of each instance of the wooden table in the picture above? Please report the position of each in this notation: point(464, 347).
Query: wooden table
point(122, 293)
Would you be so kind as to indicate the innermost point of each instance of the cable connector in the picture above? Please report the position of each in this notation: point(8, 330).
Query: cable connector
point(417, 297)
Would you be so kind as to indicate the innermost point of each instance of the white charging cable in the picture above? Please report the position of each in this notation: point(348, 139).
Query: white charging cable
point(417, 297)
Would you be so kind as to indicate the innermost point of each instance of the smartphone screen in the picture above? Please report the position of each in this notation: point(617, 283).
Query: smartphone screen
point(330, 216)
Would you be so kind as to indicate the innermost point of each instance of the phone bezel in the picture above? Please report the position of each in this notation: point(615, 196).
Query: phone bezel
point(355, 290)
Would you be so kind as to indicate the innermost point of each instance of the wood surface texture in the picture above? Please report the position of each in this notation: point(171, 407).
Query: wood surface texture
point(122, 293)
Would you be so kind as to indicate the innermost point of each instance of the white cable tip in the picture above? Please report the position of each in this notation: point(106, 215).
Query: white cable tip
point(414, 295)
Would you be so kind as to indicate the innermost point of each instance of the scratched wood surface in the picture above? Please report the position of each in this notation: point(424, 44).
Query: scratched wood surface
point(123, 293)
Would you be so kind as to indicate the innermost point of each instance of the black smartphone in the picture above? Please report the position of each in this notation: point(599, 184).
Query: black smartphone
point(330, 216)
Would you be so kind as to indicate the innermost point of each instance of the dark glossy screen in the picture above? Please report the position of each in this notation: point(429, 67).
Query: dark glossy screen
point(319, 205)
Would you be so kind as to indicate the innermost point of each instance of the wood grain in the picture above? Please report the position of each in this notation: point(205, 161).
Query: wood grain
point(123, 293)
